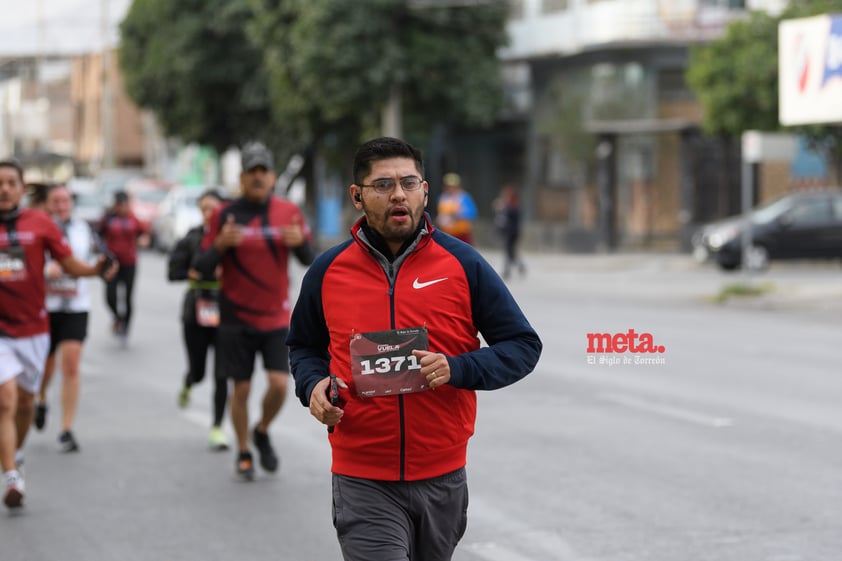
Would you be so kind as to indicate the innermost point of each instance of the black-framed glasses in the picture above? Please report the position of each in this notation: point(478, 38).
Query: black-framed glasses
point(408, 183)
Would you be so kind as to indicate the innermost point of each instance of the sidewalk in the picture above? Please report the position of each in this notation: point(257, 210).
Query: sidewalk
point(814, 287)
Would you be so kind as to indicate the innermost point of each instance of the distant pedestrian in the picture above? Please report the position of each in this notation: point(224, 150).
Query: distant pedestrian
point(393, 316)
point(252, 239)
point(507, 221)
point(27, 236)
point(36, 195)
point(68, 302)
point(122, 233)
point(200, 317)
point(456, 210)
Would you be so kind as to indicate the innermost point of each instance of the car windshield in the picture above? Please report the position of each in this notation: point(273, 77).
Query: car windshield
point(190, 199)
point(772, 211)
point(87, 199)
point(151, 195)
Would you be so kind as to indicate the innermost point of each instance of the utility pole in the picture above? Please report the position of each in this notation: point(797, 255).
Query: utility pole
point(392, 115)
point(41, 102)
point(106, 97)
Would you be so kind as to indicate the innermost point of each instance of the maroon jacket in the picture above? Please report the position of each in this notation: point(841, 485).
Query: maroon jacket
point(255, 282)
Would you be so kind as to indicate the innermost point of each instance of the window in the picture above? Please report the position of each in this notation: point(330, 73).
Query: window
point(516, 9)
point(729, 4)
point(808, 213)
point(837, 209)
point(551, 6)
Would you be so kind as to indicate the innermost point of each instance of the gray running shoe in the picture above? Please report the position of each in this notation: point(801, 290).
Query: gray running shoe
point(67, 442)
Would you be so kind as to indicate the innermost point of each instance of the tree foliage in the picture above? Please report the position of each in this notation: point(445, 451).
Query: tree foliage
point(300, 72)
point(736, 77)
point(333, 64)
point(192, 63)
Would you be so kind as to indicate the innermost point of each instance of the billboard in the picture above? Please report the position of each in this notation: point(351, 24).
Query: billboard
point(810, 70)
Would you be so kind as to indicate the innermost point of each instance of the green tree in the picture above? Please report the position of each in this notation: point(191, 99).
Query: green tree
point(334, 65)
point(191, 62)
point(736, 79)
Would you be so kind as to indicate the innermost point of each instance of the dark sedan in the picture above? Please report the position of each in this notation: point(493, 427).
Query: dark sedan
point(802, 225)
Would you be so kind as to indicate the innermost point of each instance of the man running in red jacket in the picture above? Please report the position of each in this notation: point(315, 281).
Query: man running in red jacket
point(394, 315)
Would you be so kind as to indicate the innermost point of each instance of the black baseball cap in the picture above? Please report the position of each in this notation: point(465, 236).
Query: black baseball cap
point(256, 154)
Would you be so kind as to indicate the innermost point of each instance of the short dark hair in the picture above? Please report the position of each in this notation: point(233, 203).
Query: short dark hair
point(37, 192)
point(214, 193)
point(121, 197)
point(384, 148)
point(10, 163)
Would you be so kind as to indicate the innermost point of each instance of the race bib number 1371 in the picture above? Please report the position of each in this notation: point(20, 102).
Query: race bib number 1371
point(382, 362)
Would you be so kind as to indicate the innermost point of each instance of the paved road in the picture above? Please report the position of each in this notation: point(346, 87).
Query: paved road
point(728, 450)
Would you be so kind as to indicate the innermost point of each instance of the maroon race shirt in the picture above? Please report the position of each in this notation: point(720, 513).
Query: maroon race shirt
point(255, 282)
point(120, 235)
point(24, 242)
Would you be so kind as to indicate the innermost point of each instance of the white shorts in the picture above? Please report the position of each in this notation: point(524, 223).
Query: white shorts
point(24, 359)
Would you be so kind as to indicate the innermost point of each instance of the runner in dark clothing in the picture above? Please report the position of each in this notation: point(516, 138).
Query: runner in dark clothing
point(251, 239)
point(122, 232)
point(200, 317)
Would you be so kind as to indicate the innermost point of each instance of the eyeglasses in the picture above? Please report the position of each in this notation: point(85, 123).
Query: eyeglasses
point(408, 183)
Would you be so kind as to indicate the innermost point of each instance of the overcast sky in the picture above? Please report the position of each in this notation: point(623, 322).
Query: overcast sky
point(70, 26)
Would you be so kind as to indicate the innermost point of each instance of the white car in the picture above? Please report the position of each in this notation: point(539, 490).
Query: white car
point(178, 213)
point(88, 202)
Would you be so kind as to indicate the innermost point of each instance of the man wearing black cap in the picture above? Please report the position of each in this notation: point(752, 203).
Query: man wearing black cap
point(251, 240)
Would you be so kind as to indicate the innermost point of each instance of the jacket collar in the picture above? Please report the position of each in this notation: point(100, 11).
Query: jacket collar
point(374, 241)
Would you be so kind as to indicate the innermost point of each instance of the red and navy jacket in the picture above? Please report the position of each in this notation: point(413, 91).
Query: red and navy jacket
point(25, 236)
point(254, 281)
point(355, 288)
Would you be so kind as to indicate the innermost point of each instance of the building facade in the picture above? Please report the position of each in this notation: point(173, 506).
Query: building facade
point(601, 132)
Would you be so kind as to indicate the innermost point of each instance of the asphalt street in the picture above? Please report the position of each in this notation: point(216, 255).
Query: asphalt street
point(722, 447)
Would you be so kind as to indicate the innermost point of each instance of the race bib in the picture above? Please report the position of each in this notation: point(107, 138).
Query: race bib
point(12, 264)
point(64, 285)
point(207, 312)
point(382, 362)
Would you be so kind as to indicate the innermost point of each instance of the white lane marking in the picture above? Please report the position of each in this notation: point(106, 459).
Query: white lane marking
point(201, 418)
point(544, 545)
point(537, 544)
point(667, 410)
point(495, 552)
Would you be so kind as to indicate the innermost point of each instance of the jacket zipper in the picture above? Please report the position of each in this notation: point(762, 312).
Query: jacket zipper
point(401, 414)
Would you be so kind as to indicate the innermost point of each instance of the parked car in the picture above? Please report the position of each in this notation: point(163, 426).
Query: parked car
point(109, 181)
point(145, 198)
point(801, 225)
point(88, 202)
point(179, 211)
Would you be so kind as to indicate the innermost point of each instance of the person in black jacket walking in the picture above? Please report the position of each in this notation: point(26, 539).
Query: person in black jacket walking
point(200, 317)
point(507, 221)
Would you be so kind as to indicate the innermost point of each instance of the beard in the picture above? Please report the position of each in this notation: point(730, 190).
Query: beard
point(393, 232)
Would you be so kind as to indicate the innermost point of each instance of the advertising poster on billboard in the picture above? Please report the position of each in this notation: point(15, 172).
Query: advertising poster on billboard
point(810, 70)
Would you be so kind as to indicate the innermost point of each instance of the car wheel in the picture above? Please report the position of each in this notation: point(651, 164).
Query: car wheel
point(727, 265)
point(757, 258)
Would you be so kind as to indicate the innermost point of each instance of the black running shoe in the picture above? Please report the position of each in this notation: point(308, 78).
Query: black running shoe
point(245, 466)
point(67, 442)
point(40, 419)
point(268, 458)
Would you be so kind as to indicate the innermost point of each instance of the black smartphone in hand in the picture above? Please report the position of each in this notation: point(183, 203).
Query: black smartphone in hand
point(333, 394)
